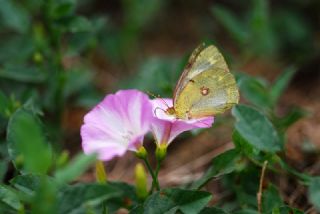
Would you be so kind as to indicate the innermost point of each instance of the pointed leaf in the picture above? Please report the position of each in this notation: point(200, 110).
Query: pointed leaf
point(231, 23)
point(255, 91)
point(256, 129)
point(224, 163)
point(314, 192)
point(75, 168)
point(9, 197)
point(169, 200)
point(271, 199)
point(78, 198)
point(281, 84)
point(212, 210)
point(27, 143)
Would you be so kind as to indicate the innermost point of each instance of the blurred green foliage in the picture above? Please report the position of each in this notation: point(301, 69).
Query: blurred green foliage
point(123, 40)
point(36, 39)
point(280, 31)
point(46, 65)
point(156, 75)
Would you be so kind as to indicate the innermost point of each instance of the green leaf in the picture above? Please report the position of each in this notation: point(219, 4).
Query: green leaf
point(76, 80)
point(138, 13)
point(286, 210)
point(74, 169)
point(81, 197)
point(14, 16)
point(3, 168)
point(4, 104)
point(281, 84)
point(314, 192)
point(305, 178)
point(169, 200)
point(23, 74)
point(271, 199)
point(294, 34)
point(231, 23)
point(243, 145)
point(212, 210)
point(88, 97)
point(27, 143)
point(224, 163)
point(45, 197)
point(156, 75)
point(256, 129)
point(30, 183)
point(137, 209)
point(62, 8)
point(255, 91)
point(79, 24)
point(81, 42)
point(9, 197)
point(126, 198)
point(16, 49)
point(290, 118)
point(244, 185)
point(263, 40)
point(246, 211)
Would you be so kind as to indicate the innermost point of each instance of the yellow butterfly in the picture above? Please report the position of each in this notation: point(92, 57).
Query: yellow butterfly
point(206, 87)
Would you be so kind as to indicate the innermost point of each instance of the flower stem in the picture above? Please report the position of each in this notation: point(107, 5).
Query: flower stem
point(157, 172)
point(154, 176)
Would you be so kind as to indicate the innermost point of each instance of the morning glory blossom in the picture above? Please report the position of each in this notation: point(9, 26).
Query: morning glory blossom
point(117, 124)
point(167, 127)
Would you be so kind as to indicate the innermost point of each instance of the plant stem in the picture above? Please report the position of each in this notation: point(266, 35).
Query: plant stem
point(155, 182)
point(157, 172)
point(259, 194)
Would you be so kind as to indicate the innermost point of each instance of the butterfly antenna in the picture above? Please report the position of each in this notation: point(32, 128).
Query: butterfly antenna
point(155, 110)
point(158, 97)
point(152, 95)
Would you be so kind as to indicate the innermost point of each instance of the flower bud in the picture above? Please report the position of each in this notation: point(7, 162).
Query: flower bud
point(141, 181)
point(101, 175)
point(161, 152)
point(141, 153)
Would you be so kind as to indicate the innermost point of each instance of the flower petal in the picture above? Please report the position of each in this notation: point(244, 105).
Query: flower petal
point(167, 127)
point(181, 126)
point(117, 124)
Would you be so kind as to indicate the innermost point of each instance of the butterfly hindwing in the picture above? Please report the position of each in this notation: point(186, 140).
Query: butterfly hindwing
point(210, 93)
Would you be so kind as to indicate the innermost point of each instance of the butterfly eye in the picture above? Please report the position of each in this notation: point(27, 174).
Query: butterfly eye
point(204, 91)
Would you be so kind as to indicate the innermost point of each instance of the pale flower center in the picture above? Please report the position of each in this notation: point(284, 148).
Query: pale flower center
point(127, 136)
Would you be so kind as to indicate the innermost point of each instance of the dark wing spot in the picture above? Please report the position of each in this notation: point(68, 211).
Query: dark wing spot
point(204, 91)
point(192, 81)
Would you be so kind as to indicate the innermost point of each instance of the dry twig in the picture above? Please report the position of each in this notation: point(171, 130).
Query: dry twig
point(259, 194)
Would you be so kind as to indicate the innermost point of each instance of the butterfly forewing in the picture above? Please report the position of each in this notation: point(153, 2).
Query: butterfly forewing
point(206, 86)
point(200, 60)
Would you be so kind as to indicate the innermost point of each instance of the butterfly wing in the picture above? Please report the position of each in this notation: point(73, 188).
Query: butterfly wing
point(201, 59)
point(207, 88)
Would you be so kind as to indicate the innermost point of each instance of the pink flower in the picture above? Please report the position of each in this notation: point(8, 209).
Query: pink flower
point(166, 127)
point(117, 124)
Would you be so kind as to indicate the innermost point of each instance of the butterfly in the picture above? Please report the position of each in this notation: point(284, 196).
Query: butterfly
point(206, 87)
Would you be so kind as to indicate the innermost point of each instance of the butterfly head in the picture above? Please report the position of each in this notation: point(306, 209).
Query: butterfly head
point(170, 111)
